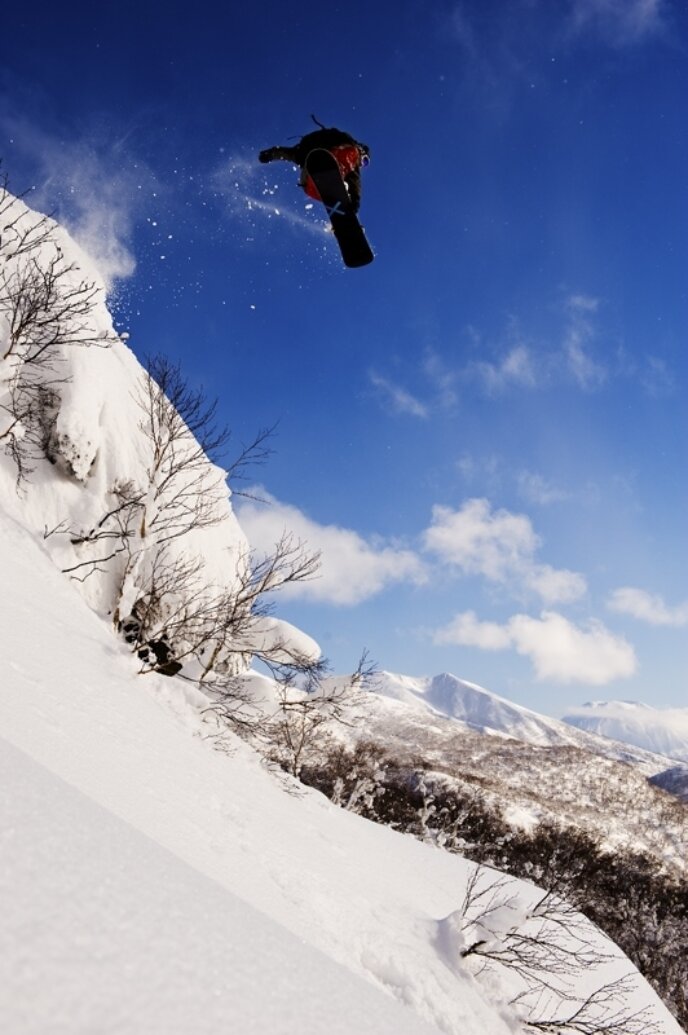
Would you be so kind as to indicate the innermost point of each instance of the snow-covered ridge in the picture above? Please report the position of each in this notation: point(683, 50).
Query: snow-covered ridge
point(471, 704)
point(481, 710)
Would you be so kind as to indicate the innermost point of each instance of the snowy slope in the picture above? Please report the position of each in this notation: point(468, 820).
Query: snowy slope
point(157, 878)
point(106, 931)
point(217, 825)
point(221, 831)
point(664, 731)
point(485, 712)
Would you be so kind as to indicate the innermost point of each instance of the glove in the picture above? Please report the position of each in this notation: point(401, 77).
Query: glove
point(267, 155)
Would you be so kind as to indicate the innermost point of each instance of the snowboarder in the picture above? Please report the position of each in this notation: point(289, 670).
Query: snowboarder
point(349, 154)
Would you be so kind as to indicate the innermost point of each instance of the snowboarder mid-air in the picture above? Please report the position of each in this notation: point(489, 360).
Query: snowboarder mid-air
point(349, 154)
point(330, 161)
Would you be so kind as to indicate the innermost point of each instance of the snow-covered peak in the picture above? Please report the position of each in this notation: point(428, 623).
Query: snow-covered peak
point(485, 712)
point(664, 731)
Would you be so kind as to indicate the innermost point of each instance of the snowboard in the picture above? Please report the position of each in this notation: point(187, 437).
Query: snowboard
point(322, 168)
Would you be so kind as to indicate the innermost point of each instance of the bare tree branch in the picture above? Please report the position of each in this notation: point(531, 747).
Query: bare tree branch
point(546, 945)
point(45, 309)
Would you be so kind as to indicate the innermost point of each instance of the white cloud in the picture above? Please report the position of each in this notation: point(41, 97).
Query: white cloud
point(489, 468)
point(501, 547)
point(440, 388)
point(466, 630)
point(578, 336)
point(479, 541)
point(647, 607)
point(537, 489)
point(519, 361)
point(579, 352)
point(398, 398)
point(352, 568)
point(526, 363)
point(515, 369)
point(620, 23)
point(558, 649)
point(582, 304)
point(656, 378)
point(442, 380)
point(585, 371)
point(555, 585)
point(566, 653)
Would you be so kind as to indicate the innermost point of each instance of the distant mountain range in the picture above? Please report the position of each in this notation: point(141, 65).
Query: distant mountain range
point(482, 711)
point(663, 731)
point(528, 766)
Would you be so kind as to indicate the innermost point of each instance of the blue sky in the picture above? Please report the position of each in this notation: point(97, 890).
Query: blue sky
point(484, 431)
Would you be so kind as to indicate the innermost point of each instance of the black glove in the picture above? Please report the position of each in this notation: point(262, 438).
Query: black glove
point(268, 155)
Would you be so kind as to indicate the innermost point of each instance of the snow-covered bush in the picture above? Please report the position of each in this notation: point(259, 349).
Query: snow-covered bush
point(47, 306)
point(120, 467)
point(540, 947)
point(309, 708)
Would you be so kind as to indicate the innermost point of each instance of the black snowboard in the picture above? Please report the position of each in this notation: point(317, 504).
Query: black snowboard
point(322, 167)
